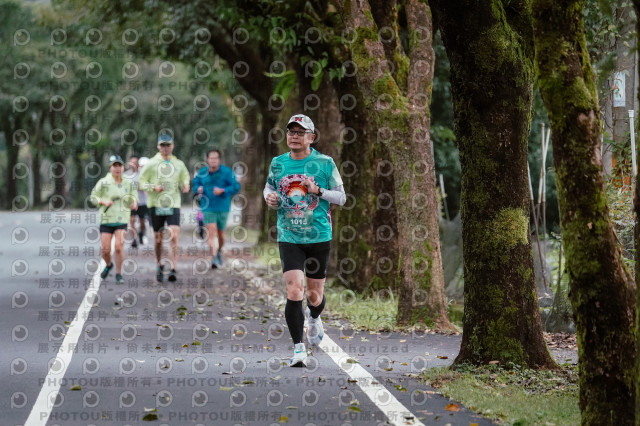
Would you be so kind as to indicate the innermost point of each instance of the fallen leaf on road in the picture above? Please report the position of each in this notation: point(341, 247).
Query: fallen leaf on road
point(452, 407)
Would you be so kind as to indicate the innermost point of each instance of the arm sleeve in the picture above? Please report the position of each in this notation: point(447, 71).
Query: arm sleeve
point(270, 186)
point(335, 195)
point(268, 189)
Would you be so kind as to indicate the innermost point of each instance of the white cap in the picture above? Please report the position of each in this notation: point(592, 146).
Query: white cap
point(303, 121)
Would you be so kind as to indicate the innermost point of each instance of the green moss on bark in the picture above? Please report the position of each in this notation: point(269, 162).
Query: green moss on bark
point(510, 227)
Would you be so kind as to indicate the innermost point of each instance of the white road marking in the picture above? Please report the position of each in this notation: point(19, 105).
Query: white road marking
point(48, 394)
point(395, 411)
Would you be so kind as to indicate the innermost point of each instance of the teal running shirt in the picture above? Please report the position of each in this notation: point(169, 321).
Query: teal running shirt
point(303, 218)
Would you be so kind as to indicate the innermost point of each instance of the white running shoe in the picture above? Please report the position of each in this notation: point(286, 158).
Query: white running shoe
point(315, 330)
point(299, 358)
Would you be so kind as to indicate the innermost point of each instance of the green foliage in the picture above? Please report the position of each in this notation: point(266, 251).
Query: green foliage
point(446, 156)
point(619, 200)
point(512, 395)
point(286, 84)
point(605, 27)
point(101, 109)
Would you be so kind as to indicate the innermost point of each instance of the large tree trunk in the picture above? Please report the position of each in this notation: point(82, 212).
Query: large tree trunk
point(268, 230)
point(36, 162)
point(358, 219)
point(252, 184)
point(636, 239)
point(490, 49)
point(601, 291)
point(36, 155)
point(395, 88)
point(12, 159)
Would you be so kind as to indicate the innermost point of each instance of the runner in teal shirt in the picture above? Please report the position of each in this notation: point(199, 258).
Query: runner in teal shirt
point(301, 184)
point(303, 217)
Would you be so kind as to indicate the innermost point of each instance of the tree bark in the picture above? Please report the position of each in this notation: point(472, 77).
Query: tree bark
point(268, 230)
point(490, 47)
point(601, 290)
point(12, 158)
point(36, 153)
point(395, 95)
point(252, 156)
point(636, 238)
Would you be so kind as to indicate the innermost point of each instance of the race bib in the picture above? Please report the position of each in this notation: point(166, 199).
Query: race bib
point(164, 211)
point(299, 221)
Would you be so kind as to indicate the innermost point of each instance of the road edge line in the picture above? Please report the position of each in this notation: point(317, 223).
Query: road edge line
point(44, 403)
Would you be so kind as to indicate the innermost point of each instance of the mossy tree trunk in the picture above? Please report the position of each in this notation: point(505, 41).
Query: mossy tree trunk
point(252, 156)
point(490, 47)
point(636, 239)
point(361, 262)
point(601, 290)
point(269, 121)
point(394, 83)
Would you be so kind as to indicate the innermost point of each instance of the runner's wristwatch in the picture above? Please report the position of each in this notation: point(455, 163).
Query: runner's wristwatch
point(319, 192)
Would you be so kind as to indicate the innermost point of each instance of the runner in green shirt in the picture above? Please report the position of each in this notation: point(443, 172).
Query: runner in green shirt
point(116, 196)
point(163, 178)
point(301, 185)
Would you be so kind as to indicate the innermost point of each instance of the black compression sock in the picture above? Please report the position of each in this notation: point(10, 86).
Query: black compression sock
point(295, 319)
point(317, 310)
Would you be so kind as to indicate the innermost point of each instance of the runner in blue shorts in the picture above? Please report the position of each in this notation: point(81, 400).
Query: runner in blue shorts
point(216, 184)
point(301, 184)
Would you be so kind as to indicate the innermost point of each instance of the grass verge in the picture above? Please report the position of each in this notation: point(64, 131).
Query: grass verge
point(376, 313)
point(513, 396)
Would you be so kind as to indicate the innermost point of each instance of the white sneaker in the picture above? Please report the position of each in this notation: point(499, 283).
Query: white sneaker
point(299, 357)
point(315, 330)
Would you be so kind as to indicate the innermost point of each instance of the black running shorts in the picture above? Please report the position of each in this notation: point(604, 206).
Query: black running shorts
point(158, 221)
point(311, 258)
point(110, 229)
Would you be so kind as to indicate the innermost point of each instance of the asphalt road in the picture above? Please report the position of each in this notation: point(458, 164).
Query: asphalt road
point(211, 348)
